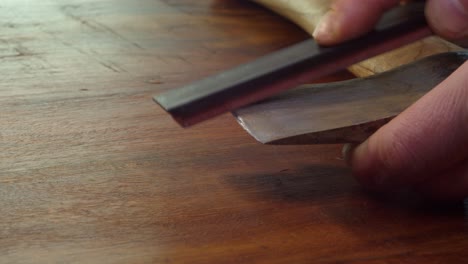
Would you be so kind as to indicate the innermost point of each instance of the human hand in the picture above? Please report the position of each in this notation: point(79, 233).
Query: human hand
point(426, 146)
point(348, 19)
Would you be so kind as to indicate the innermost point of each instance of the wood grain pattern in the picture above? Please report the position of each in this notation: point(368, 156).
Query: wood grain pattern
point(404, 55)
point(93, 172)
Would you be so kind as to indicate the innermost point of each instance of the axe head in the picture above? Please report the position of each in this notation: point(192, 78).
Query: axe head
point(347, 111)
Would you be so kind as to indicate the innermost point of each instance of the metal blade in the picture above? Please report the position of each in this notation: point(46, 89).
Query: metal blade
point(347, 111)
point(289, 68)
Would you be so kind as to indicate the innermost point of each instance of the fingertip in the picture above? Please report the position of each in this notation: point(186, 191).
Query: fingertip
point(448, 18)
point(349, 19)
point(364, 165)
point(326, 31)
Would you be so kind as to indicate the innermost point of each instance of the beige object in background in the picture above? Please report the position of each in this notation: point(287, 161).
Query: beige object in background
point(307, 13)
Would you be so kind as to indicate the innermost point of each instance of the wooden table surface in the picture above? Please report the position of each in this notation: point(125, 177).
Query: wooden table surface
point(92, 171)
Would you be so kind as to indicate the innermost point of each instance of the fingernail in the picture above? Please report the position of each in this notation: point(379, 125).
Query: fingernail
point(347, 152)
point(325, 29)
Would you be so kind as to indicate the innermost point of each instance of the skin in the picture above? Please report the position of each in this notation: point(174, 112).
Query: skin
point(425, 148)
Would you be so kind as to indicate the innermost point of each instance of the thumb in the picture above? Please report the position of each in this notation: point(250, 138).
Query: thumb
point(448, 18)
point(348, 19)
point(426, 140)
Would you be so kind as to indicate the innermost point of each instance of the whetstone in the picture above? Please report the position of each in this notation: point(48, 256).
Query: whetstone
point(307, 13)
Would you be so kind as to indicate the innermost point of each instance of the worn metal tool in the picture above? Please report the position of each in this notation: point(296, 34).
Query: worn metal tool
point(340, 112)
point(347, 111)
point(289, 68)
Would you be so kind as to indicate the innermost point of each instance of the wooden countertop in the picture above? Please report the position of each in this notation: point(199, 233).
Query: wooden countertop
point(92, 171)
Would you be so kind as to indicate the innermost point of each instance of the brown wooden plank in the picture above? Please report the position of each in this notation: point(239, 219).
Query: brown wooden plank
point(91, 171)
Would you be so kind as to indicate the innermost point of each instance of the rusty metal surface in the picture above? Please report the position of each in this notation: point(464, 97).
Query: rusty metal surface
point(347, 111)
point(288, 68)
